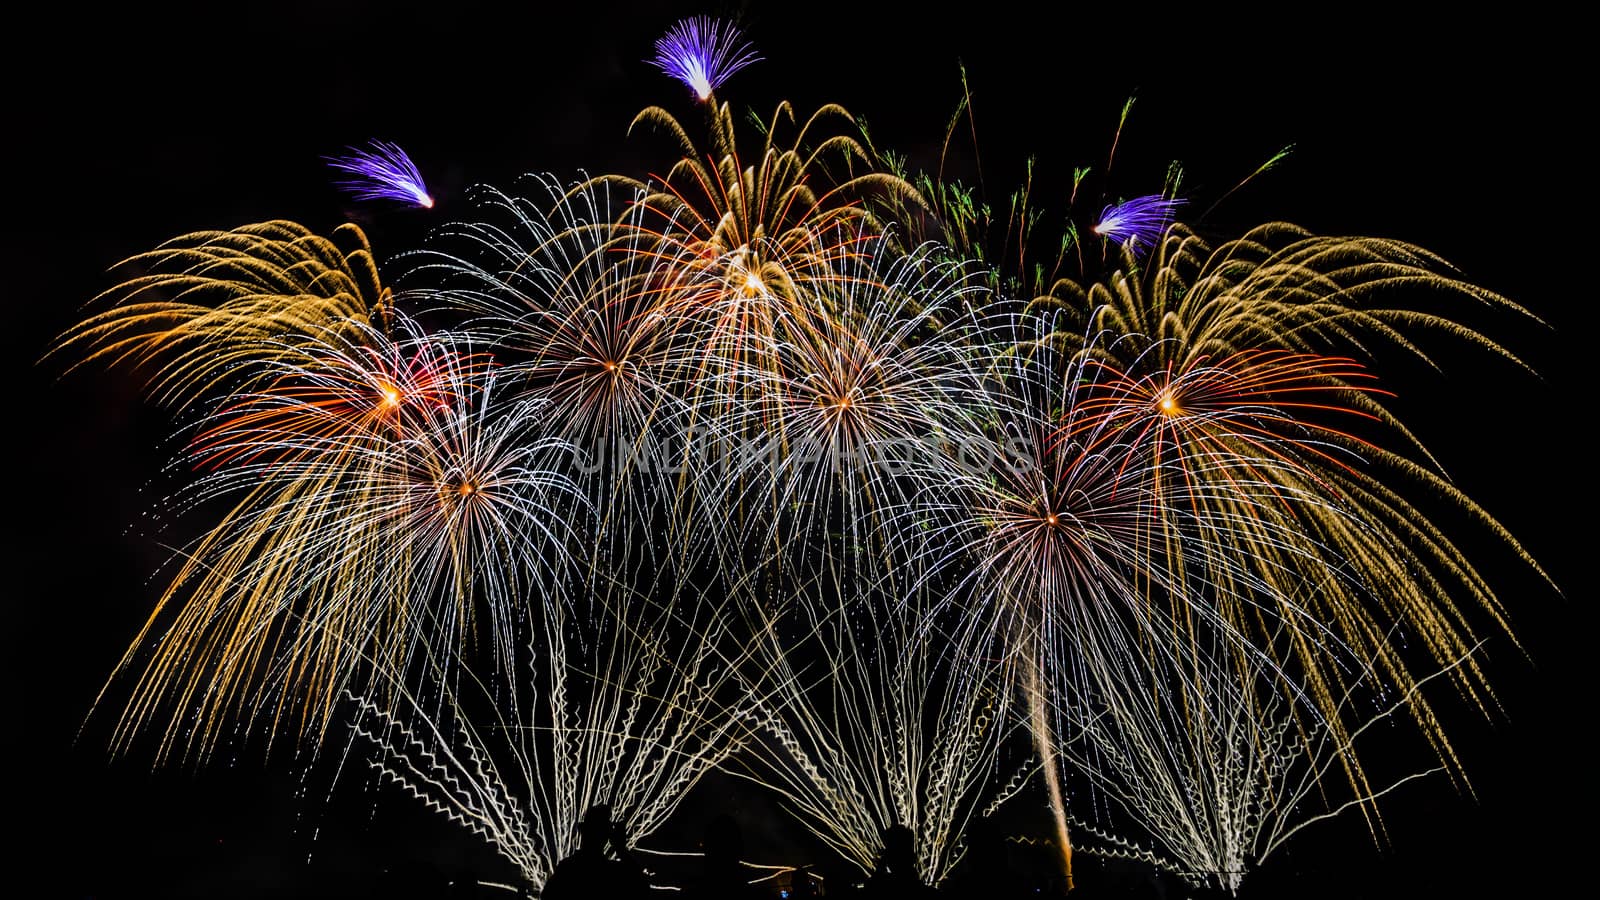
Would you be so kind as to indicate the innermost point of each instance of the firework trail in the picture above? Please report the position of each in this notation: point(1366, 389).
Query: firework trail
point(872, 720)
point(382, 171)
point(209, 312)
point(1205, 771)
point(1138, 224)
point(636, 697)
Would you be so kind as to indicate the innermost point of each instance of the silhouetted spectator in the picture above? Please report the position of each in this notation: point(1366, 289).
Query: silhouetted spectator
point(985, 872)
point(895, 876)
point(839, 879)
point(722, 876)
point(801, 885)
point(589, 873)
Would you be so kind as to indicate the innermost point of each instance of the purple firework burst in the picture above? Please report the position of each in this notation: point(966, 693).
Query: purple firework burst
point(382, 172)
point(703, 52)
point(1137, 223)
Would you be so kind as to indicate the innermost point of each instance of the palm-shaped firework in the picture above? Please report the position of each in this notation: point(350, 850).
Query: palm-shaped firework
point(209, 314)
point(386, 510)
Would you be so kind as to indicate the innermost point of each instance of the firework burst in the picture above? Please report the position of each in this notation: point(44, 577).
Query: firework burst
point(385, 510)
point(1222, 355)
point(844, 515)
point(1096, 555)
point(841, 420)
point(558, 280)
point(761, 225)
point(575, 298)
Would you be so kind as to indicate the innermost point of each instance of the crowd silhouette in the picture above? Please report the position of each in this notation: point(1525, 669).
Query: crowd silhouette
point(605, 868)
point(602, 867)
point(723, 875)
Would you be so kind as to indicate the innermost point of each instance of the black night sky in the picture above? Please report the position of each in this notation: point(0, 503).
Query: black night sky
point(127, 126)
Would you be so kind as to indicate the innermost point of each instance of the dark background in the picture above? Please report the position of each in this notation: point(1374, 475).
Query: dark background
point(128, 126)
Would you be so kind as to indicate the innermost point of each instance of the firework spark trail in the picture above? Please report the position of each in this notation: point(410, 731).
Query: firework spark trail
point(839, 422)
point(871, 721)
point(382, 171)
point(1138, 223)
point(210, 310)
point(703, 53)
point(395, 511)
point(1210, 770)
point(637, 699)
